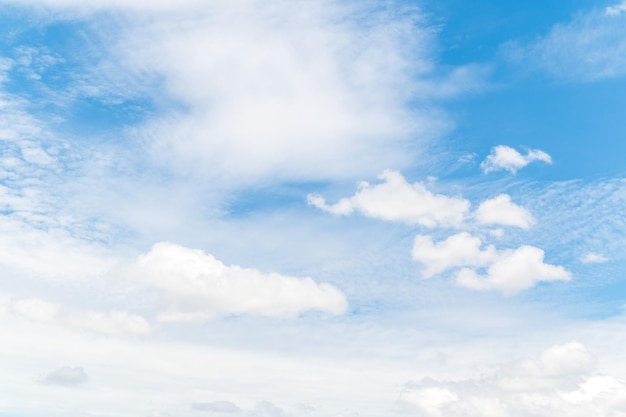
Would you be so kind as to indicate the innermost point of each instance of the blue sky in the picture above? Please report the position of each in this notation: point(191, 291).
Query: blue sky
point(320, 208)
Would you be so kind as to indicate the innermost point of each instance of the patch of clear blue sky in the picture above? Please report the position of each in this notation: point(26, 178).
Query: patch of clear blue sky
point(578, 123)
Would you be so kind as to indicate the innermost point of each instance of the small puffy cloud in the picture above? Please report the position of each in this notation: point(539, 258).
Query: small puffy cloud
point(225, 407)
point(562, 381)
point(67, 377)
point(195, 285)
point(513, 271)
point(112, 323)
point(397, 200)
point(502, 211)
point(504, 157)
point(458, 250)
point(616, 10)
point(593, 258)
point(508, 271)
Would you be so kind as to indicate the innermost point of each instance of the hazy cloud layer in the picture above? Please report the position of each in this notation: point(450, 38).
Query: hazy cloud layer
point(562, 380)
point(112, 323)
point(67, 377)
point(217, 407)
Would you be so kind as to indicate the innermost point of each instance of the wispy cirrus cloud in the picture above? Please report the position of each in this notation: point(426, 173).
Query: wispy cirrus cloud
point(588, 48)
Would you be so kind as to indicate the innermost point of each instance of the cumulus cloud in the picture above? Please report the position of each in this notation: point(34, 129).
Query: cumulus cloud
point(458, 250)
point(590, 47)
point(562, 381)
point(501, 210)
point(508, 270)
point(217, 407)
point(112, 323)
point(593, 258)
point(195, 285)
point(67, 377)
point(504, 157)
point(397, 200)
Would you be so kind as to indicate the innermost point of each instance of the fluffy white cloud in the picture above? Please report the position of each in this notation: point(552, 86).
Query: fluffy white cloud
point(501, 210)
point(593, 258)
point(196, 285)
point(397, 200)
point(563, 381)
point(504, 157)
point(67, 377)
point(113, 323)
point(508, 271)
point(458, 250)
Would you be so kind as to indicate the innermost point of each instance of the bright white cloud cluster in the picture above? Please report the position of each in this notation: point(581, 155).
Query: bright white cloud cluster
point(563, 381)
point(506, 158)
point(397, 200)
point(113, 323)
point(508, 271)
point(501, 210)
point(196, 285)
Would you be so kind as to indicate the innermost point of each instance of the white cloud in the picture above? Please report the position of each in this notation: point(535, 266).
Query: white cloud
point(113, 323)
point(506, 158)
point(508, 271)
point(66, 376)
point(458, 250)
point(563, 381)
point(501, 210)
point(37, 310)
point(196, 285)
point(590, 47)
point(593, 258)
point(397, 200)
point(276, 90)
point(616, 10)
point(513, 271)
